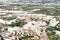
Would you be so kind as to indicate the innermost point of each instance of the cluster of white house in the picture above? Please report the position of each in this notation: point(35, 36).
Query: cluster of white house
point(24, 16)
point(32, 26)
point(29, 28)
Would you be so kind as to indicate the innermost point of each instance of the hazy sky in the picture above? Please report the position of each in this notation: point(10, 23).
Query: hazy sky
point(24, 0)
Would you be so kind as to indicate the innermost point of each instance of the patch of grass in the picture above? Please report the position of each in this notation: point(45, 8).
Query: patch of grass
point(18, 23)
point(58, 37)
point(52, 36)
point(8, 18)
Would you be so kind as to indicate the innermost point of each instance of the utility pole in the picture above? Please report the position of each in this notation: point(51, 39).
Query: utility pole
point(1, 38)
point(16, 37)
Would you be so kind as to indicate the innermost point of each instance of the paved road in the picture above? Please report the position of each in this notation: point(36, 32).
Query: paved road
point(44, 35)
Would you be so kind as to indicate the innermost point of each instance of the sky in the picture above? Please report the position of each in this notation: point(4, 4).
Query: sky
point(23, 0)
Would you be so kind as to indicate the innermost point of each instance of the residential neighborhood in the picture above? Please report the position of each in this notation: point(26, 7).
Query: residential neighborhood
point(30, 20)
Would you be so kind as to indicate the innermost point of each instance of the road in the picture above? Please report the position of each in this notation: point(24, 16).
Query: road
point(43, 35)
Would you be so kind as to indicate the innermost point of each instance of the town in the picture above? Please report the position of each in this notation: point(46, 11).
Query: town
point(30, 21)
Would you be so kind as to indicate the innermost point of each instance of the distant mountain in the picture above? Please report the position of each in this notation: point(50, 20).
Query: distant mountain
point(27, 1)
